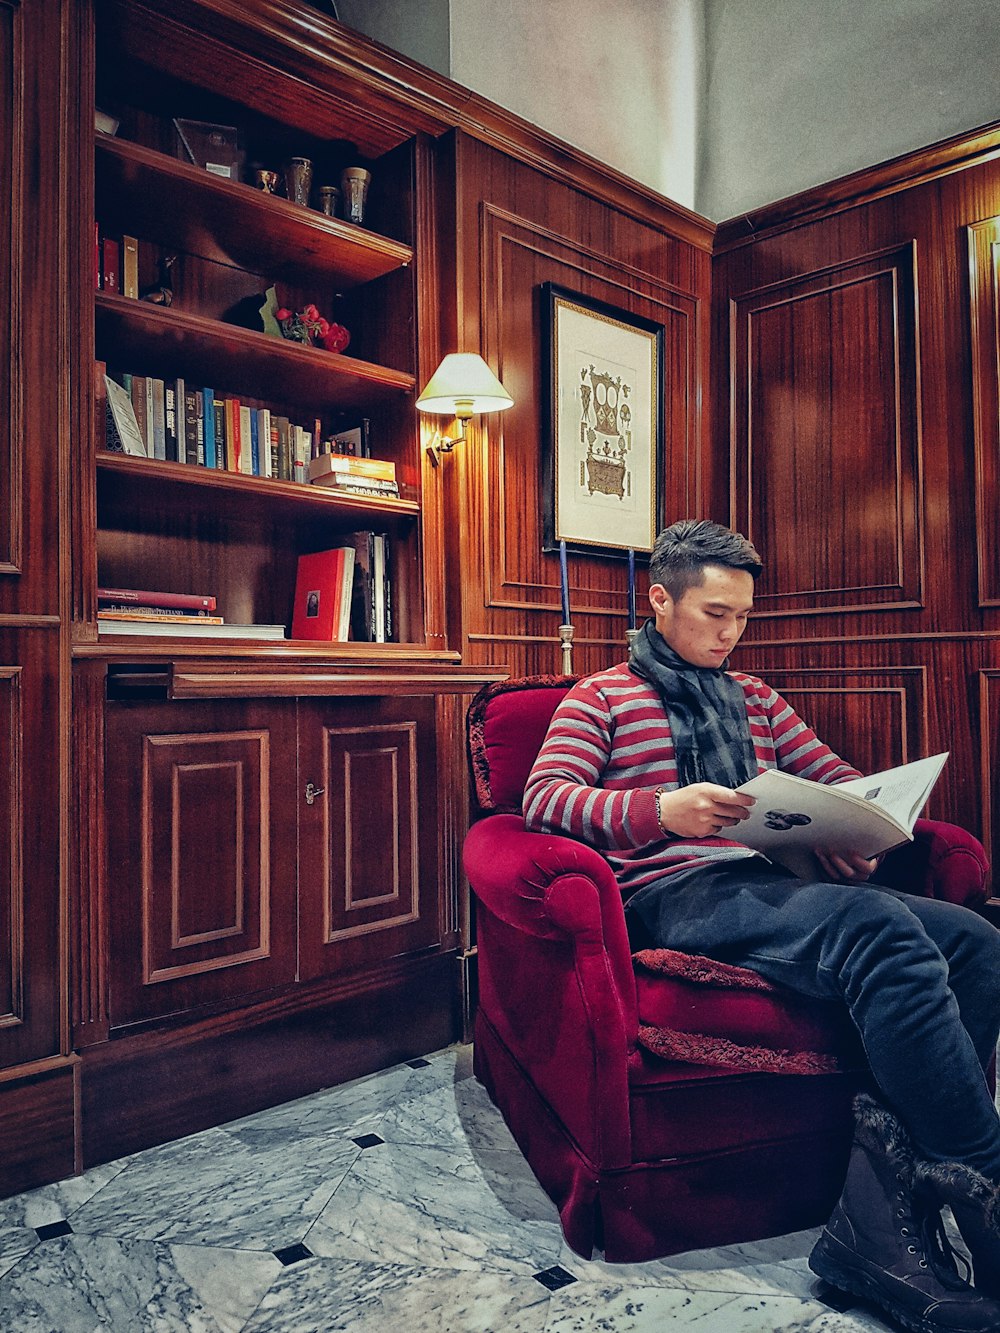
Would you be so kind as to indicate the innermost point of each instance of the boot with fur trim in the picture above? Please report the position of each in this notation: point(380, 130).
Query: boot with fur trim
point(975, 1201)
point(887, 1245)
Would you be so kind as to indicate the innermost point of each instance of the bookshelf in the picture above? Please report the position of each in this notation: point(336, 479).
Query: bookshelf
point(227, 930)
point(179, 526)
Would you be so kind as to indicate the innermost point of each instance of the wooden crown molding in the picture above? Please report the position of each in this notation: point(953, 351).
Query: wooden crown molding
point(956, 153)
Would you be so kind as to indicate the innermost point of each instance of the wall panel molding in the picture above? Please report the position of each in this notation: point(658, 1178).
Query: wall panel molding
point(518, 255)
point(12, 224)
point(984, 315)
point(873, 717)
point(989, 748)
point(12, 962)
point(825, 435)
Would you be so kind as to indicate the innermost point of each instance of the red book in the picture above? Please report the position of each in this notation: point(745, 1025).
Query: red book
point(111, 259)
point(323, 586)
point(137, 597)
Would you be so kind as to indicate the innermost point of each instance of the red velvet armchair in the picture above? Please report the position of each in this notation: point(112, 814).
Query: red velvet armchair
point(665, 1102)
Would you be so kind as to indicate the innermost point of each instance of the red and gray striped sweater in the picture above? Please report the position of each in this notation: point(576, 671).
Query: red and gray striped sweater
point(609, 748)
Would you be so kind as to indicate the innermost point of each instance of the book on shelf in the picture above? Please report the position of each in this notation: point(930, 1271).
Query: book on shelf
point(369, 486)
point(158, 614)
point(345, 465)
point(181, 601)
point(370, 592)
point(110, 265)
point(323, 587)
point(208, 426)
point(242, 413)
point(264, 441)
point(157, 395)
point(137, 392)
point(353, 440)
point(196, 628)
point(868, 815)
point(122, 435)
point(130, 266)
point(194, 439)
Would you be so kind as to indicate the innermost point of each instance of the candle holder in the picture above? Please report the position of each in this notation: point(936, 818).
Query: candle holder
point(566, 647)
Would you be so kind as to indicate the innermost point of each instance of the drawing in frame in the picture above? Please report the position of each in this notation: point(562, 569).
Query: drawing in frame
point(603, 446)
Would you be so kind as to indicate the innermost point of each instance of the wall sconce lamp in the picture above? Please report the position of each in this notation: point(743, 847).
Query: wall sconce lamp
point(462, 386)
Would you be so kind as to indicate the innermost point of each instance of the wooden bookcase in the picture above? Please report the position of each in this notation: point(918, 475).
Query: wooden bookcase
point(267, 896)
point(185, 528)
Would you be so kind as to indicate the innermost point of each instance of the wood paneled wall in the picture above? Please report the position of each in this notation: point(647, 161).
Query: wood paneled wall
point(859, 328)
point(515, 228)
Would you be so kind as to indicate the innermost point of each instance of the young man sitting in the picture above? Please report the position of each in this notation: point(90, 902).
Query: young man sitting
point(642, 762)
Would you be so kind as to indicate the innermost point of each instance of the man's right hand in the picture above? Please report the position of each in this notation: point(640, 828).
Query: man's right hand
point(703, 810)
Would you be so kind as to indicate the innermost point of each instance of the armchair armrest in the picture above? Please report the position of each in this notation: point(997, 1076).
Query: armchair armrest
point(555, 974)
point(943, 861)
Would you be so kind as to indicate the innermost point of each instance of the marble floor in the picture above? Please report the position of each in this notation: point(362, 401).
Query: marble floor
point(396, 1202)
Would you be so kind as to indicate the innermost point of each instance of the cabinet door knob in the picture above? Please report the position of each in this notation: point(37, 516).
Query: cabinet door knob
point(312, 792)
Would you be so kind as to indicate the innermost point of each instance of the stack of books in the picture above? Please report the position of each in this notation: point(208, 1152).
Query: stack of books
point(141, 611)
point(350, 475)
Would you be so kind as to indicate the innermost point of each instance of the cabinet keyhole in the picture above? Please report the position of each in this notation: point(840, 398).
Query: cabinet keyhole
point(312, 792)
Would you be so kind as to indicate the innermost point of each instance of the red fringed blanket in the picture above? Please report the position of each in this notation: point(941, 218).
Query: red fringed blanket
point(672, 1043)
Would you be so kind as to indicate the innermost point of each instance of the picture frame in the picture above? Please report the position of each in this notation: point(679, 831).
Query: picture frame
point(602, 441)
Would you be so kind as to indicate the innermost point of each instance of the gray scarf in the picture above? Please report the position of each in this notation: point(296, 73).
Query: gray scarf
point(706, 710)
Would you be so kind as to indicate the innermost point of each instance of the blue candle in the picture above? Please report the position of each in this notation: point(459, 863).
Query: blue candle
point(564, 580)
point(631, 589)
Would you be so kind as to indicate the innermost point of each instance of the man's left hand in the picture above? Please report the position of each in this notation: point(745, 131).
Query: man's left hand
point(845, 867)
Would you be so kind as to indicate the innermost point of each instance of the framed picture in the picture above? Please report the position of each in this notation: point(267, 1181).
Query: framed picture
point(603, 446)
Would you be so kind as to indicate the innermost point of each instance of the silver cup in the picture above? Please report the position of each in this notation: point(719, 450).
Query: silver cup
point(354, 183)
point(298, 180)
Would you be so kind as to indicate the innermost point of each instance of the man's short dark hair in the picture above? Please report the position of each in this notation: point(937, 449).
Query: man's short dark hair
point(684, 549)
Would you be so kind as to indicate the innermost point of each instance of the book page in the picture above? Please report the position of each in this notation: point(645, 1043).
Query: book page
point(791, 812)
point(902, 791)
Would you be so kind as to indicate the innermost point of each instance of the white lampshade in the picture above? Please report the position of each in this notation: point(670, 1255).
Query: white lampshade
point(462, 386)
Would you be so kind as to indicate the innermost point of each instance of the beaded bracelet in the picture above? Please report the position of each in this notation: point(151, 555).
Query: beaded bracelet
point(659, 818)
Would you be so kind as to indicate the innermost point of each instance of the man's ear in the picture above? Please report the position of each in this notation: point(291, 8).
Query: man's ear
point(659, 599)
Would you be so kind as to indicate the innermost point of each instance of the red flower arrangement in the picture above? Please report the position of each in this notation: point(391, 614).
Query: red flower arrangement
point(309, 326)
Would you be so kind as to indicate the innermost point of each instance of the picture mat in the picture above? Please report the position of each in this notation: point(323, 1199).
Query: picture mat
point(589, 350)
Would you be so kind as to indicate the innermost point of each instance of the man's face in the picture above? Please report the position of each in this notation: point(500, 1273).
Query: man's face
point(706, 623)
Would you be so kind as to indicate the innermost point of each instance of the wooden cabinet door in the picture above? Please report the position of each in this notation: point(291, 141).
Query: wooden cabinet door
point(30, 955)
point(200, 801)
point(368, 872)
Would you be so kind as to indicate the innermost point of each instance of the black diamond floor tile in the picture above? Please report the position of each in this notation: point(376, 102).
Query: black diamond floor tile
point(555, 1277)
point(368, 1140)
point(293, 1254)
point(53, 1229)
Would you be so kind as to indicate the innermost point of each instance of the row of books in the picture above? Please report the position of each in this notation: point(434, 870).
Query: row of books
point(340, 594)
point(177, 422)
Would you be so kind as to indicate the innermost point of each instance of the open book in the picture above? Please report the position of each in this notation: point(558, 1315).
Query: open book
point(865, 815)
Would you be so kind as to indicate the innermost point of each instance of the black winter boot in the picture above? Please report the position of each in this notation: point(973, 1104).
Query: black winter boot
point(887, 1245)
point(975, 1201)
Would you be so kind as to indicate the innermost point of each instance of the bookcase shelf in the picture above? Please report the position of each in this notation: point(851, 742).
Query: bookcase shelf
point(184, 207)
point(168, 342)
point(128, 486)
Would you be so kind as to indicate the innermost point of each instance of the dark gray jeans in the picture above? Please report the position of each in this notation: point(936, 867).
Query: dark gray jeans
point(920, 978)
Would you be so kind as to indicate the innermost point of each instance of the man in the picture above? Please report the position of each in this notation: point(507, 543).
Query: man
point(643, 762)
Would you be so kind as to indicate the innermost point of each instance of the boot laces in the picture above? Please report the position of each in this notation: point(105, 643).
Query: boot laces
point(942, 1258)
